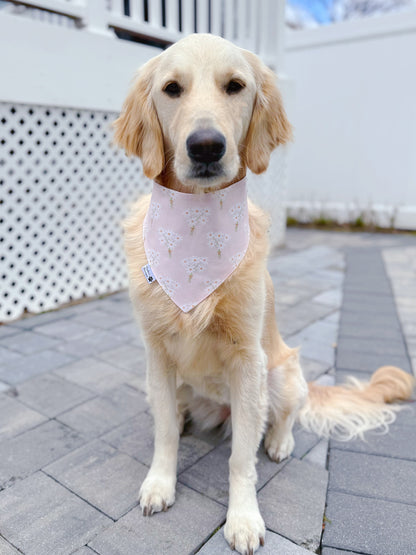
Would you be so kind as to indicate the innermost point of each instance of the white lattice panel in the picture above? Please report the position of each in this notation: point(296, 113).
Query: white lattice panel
point(64, 191)
point(268, 190)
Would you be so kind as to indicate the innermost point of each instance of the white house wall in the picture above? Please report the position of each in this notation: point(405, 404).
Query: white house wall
point(355, 121)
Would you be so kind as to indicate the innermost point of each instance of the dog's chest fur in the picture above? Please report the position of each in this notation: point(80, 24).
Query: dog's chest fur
point(200, 365)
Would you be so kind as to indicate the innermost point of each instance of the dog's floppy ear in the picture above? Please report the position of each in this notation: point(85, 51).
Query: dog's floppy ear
point(137, 129)
point(269, 126)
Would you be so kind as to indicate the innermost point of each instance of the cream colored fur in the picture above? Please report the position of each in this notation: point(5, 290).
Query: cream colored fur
point(225, 358)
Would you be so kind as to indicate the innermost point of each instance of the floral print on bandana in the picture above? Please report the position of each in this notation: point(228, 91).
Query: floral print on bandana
point(235, 259)
point(211, 285)
point(221, 195)
point(194, 265)
point(153, 257)
point(154, 211)
point(193, 242)
point(195, 217)
point(168, 238)
point(171, 195)
point(237, 213)
point(169, 285)
point(217, 241)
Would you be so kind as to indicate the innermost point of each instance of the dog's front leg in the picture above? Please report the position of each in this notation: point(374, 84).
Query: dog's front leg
point(245, 529)
point(158, 490)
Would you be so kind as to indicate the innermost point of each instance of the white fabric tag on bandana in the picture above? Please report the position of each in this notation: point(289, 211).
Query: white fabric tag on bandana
point(148, 274)
point(193, 242)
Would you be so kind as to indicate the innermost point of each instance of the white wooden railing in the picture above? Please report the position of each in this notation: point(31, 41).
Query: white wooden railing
point(257, 25)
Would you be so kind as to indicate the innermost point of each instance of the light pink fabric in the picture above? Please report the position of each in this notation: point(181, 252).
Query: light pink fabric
point(193, 242)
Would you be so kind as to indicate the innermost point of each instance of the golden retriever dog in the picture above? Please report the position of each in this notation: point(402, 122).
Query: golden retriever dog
point(225, 357)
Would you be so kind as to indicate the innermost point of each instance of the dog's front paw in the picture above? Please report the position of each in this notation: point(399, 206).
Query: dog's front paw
point(278, 449)
point(245, 531)
point(156, 494)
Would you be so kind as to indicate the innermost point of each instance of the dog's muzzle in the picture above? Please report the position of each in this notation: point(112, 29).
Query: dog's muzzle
point(205, 148)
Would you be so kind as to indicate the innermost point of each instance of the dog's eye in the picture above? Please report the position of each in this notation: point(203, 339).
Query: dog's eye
point(173, 89)
point(234, 87)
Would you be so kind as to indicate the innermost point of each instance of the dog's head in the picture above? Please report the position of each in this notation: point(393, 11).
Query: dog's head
point(204, 109)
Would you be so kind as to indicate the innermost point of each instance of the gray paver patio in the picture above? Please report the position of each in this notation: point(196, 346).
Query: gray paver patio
point(96, 472)
point(16, 418)
point(371, 503)
point(378, 477)
point(76, 435)
point(183, 528)
point(371, 526)
point(293, 502)
point(40, 517)
point(273, 544)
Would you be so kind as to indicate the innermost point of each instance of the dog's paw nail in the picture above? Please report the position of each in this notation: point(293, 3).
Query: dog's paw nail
point(156, 495)
point(279, 451)
point(245, 531)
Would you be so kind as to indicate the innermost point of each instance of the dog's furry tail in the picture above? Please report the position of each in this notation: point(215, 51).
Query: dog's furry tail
point(346, 412)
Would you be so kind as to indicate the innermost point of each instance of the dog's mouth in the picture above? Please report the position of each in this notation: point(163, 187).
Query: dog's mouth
point(202, 170)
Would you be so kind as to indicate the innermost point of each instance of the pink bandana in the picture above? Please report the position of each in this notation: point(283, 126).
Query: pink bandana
point(193, 242)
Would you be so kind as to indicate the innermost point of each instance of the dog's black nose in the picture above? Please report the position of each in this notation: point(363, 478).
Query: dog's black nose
point(205, 145)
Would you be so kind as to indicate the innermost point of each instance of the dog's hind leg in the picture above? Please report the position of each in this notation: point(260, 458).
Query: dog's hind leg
point(288, 391)
point(287, 387)
point(184, 398)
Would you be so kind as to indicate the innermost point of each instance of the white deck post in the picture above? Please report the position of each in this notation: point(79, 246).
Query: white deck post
point(280, 19)
point(273, 33)
point(96, 19)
